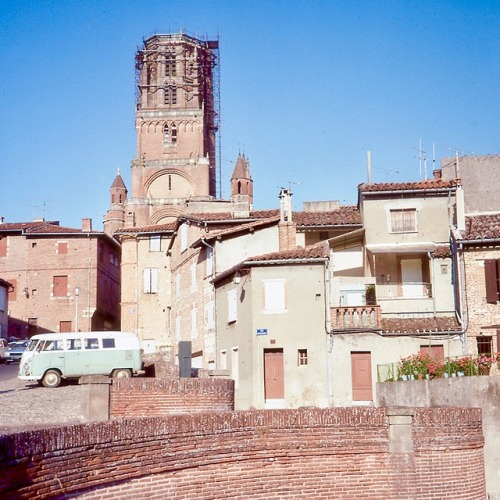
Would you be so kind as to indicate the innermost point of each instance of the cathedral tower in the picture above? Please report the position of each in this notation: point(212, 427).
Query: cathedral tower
point(176, 122)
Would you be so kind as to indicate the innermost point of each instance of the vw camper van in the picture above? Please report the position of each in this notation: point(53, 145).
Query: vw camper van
point(51, 357)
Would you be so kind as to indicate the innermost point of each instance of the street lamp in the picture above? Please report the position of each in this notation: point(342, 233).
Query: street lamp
point(77, 294)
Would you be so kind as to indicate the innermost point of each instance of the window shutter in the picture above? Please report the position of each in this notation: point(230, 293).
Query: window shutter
point(232, 305)
point(147, 281)
point(490, 270)
point(154, 280)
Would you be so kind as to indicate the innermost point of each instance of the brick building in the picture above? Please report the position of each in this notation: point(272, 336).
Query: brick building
point(478, 248)
point(62, 279)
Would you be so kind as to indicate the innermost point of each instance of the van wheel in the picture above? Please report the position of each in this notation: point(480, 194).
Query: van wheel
point(121, 373)
point(52, 378)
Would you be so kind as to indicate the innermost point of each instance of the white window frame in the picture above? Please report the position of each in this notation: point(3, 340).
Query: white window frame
point(209, 261)
point(194, 324)
point(177, 285)
point(274, 291)
point(232, 305)
point(210, 315)
point(223, 359)
point(193, 276)
point(403, 220)
point(151, 280)
point(235, 366)
point(183, 236)
point(155, 243)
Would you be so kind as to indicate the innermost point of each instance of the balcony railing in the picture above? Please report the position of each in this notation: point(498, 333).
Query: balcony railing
point(355, 317)
point(409, 290)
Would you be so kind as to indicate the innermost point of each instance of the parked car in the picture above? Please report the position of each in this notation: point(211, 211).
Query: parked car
point(3, 348)
point(14, 351)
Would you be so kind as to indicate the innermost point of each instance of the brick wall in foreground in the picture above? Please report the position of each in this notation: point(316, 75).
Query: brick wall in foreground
point(340, 453)
point(138, 397)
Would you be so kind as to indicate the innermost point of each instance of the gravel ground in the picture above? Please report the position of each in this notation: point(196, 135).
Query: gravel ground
point(26, 405)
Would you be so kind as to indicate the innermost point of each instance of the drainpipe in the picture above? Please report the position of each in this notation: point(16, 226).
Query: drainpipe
point(461, 299)
point(433, 289)
point(214, 270)
point(328, 329)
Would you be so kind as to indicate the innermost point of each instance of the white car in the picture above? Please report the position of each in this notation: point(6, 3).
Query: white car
point(3, 347)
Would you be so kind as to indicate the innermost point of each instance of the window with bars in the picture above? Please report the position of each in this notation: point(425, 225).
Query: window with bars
point(403, 220)
point(485, 345)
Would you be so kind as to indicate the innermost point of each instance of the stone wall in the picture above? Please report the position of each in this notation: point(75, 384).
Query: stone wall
point(340, 453)
point(466, 392)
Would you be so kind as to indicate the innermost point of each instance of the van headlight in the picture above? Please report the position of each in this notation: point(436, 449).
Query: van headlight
point(26, 369)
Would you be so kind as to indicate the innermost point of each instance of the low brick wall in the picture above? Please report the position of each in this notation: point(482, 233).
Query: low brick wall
point(465, 392)
point(341, 453)
point(137, 397)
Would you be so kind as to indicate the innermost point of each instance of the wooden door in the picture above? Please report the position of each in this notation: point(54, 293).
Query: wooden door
point(411, 276)
point(274, 383)
point(361, 370)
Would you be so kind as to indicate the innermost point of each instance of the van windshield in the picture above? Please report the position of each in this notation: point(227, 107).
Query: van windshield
point(32, 345)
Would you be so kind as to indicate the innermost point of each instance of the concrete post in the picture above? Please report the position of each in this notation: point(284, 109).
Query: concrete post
point(95, 397)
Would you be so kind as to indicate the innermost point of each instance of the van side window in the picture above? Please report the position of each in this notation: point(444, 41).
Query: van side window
point(73, 344)
point(91, 344)
point(58, 345)
point(108, 343)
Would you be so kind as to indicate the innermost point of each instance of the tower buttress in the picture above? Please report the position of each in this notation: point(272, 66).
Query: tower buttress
point(115, 216)
point(242, 187)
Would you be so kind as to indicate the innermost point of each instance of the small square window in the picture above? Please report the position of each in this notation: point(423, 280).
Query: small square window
point(403, 220)
point(302, 357)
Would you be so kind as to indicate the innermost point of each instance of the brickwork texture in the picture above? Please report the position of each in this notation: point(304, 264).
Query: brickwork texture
point(340, 453)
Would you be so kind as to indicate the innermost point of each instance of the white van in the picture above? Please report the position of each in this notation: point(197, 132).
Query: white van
point(52, 356)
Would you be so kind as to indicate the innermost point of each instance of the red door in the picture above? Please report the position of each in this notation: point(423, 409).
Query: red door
point(274, 384)
point(361, 368)
point(434, 351)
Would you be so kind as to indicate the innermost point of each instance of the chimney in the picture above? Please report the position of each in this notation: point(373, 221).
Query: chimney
point(86, 225)
point(285, 197)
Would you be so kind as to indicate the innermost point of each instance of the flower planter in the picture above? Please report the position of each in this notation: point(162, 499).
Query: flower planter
point(484, 370)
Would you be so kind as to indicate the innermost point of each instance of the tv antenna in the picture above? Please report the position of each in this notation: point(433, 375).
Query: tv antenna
point(387, 172)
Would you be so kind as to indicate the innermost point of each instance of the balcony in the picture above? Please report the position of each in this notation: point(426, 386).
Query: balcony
point(355, 317)
point(407, 290)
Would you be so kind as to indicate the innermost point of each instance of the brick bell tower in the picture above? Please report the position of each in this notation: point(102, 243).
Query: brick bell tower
point(177, 120)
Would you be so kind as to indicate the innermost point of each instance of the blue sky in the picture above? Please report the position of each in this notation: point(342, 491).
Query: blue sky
point(307, 88)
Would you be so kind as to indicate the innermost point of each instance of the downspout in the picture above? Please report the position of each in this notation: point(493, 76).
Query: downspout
point(433, 285)
point(328, 329)
point(214, 269)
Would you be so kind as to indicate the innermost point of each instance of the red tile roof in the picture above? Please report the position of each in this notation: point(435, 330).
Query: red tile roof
point(420, 325)
point(431, 184)
point(482, 227)
point(157, 228)
point(343, 216)
point(226, 231)
point(319, 251)
point(42, 227)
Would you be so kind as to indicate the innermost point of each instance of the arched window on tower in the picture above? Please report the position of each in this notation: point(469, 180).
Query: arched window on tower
point(239, 187)
point(174, 133)
point(170, 95)
point(166, 135)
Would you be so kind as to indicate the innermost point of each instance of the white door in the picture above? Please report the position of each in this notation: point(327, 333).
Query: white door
point(411, 276)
